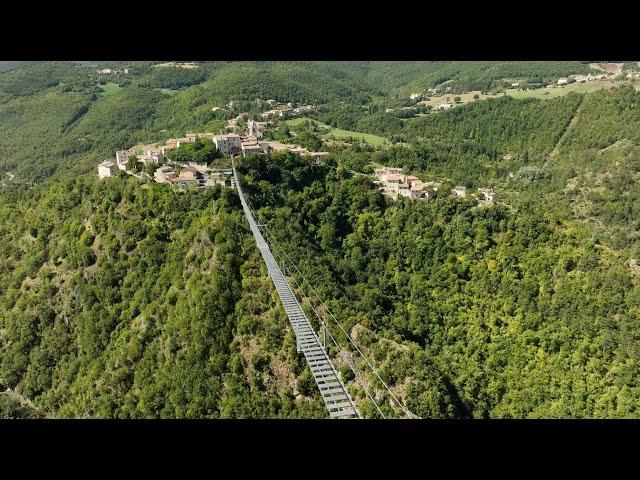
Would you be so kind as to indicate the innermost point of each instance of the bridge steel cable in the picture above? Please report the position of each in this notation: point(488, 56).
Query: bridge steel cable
point(335, 395)
point(370, 365)
point(327, 332)
point(289, 261)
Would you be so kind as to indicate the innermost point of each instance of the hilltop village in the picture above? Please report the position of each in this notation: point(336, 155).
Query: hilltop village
point(199, 175)
point(189, 175)
point(392, 181)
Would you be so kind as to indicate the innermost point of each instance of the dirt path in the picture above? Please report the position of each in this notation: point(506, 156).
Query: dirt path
point(25, 402)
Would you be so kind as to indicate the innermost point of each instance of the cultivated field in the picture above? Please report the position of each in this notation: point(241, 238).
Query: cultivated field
point(562, 90)
point(607, 67)
point(110, 88)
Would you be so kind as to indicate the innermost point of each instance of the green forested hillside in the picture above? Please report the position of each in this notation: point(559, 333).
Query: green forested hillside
point(10, 65)
point(31, 79)
point(121, 300)
point(301, 82)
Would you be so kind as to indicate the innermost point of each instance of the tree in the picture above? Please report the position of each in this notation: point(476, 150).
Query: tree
point(132, 164)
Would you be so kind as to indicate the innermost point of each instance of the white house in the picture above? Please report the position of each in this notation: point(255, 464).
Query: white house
point(487, 195)
point(249, 148)
point(227, 144)
point(412, 179)
point(121, 158)
point(256, 129)
point(107, 169)
point(156, 154)
point(164, 174)
point(422, 193)
point(381, 173)
point(459, 191)
point(404, 190)
point(393, 183)
point(264, 146)
point(272, 113)
point(149, 159)
point(563, 81)
point(444, 106)
point(303, 109)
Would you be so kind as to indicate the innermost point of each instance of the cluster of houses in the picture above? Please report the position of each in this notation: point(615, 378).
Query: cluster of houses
point(253, 141)
point(394, 183)
point(590, 77)
point(112, 71)
point(110, 168)
point(194, 175)
point(281, 110)
point(234, 143)
point(187, 65)
point(278, 110)
point(483, 195)
point(191, 175)
point(427, 93)
point(231, 142)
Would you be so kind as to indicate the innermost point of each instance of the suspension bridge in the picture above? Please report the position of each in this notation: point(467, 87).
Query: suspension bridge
point(337, 399)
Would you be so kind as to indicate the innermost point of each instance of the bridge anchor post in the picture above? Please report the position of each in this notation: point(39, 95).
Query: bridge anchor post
point(324, 335)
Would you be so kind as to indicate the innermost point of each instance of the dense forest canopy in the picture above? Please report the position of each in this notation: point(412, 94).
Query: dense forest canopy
point(121, 301)
point(505, 314)
point(122, 298)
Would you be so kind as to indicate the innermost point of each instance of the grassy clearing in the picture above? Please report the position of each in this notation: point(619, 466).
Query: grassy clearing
point(366, 137)
point(110, 88)
point(553, 92)
point(340, 134)
point(294, 122)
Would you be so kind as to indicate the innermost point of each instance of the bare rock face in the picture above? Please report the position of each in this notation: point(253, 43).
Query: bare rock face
point(633, 265)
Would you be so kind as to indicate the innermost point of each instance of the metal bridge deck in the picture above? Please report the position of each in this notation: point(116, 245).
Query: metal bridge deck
point(336, 398)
